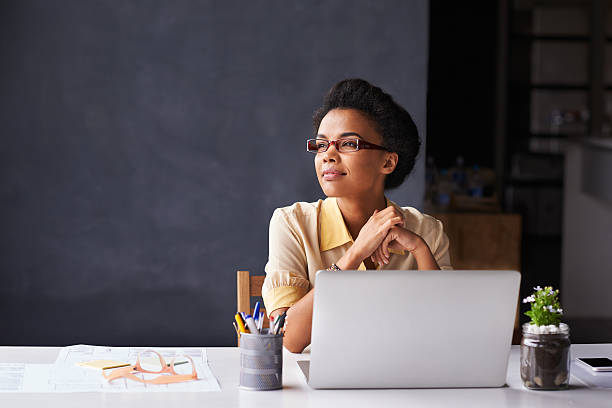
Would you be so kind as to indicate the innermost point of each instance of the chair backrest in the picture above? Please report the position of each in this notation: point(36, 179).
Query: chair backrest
point(247, 286)
point(485, 241)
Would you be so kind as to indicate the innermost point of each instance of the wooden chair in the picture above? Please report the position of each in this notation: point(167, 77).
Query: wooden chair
point(248, 286)
point(485, 241)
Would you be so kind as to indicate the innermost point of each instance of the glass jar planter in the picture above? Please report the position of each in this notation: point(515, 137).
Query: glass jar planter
point(545, 358)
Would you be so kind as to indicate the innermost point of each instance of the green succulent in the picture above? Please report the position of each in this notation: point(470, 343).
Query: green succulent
point(545, 307)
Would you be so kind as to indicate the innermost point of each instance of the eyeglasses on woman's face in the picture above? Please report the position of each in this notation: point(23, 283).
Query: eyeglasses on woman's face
point(344, 145)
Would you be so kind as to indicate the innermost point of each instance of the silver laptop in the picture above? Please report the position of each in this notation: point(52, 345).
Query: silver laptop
point(411, 329)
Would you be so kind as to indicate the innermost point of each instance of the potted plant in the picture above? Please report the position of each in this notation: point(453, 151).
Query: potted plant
point(545, 345)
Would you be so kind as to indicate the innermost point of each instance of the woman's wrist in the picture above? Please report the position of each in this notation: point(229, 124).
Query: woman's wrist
point(421, 247)
point(424, 257)
point(350, 260)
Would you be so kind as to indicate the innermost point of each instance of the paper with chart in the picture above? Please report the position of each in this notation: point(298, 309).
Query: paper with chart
point(66, 376)
point(19, 377)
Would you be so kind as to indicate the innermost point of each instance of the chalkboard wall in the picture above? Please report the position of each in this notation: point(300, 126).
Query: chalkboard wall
point(145, 145)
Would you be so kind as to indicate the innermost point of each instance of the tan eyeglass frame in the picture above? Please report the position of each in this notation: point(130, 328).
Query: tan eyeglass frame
point(174, 377)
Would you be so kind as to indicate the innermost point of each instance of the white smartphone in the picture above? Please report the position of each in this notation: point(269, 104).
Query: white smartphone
point(597, 364)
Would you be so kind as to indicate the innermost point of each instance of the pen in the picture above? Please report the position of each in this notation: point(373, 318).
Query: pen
point(251, 324)
point(236, 328)
point(240, 323)
point(279, 322)
point(256, 312)
point(260, 321)
point(271, 325)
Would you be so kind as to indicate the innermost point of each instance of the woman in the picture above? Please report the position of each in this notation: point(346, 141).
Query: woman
point(365, 143)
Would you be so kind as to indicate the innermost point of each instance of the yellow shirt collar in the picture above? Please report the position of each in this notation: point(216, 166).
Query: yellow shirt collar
point(332, 229)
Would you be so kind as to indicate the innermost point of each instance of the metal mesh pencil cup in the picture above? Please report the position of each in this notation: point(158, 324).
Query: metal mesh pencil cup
point(261, 361)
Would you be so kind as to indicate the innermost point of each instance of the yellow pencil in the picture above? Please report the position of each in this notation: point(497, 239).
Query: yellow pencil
point(241, 324)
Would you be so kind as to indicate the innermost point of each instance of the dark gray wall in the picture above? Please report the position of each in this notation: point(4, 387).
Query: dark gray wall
point(145, 145)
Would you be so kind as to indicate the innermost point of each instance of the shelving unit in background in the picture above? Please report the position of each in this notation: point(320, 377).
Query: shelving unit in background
point(554, 83)
point(553, 88)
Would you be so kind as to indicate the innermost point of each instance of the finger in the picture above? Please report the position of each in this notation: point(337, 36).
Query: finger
point(374, 214)
point(391, 223)
point(384, 258)
point(384, 230)
point(386, 252)
point(379, 255)
point(391, 215)
point(373, 256)
point(376, 257)
point(387, 212)
point(400, 215)
point(385, 246)
point(379, 259)
point(396, 246)
point(392, 210)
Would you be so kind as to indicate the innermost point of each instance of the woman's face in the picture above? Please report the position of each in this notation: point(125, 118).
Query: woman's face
point(353, 173)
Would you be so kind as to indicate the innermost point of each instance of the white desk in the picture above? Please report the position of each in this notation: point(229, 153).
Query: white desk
point(225, 364)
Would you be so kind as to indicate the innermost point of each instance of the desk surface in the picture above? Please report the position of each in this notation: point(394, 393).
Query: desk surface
point(225, 363)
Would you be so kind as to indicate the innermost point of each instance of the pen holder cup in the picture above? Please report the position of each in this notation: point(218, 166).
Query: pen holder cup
point(261, 361)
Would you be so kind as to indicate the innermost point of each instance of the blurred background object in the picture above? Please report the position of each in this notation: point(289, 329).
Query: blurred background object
point(511, 110)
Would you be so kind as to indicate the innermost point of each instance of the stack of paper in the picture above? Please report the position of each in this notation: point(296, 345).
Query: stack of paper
point(71, 373)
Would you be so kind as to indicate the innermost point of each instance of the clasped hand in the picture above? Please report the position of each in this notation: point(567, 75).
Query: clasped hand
point(384, 231)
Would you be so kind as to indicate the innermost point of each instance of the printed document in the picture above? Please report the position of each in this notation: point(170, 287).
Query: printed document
point(66, 376)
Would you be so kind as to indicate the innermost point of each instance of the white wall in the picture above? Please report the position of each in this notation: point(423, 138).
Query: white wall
point(586, 276)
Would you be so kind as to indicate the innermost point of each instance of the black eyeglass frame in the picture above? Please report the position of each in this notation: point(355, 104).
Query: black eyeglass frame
point(361, 144)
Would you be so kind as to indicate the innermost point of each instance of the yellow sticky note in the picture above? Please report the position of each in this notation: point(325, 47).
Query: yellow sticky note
point(102, 364)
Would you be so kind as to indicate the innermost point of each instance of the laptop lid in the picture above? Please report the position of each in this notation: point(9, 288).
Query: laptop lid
point(412, 329)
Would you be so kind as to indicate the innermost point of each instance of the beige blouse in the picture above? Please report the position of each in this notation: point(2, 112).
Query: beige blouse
point(308, 237)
